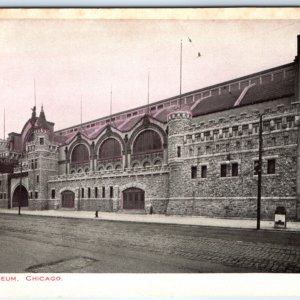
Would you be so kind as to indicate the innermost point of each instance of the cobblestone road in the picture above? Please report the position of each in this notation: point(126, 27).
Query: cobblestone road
point(43, 244)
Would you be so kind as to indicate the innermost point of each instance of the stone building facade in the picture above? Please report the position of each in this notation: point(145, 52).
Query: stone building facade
point(192, 154)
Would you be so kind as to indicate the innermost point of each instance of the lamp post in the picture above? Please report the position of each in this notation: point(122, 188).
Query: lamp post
point(258, 169)
point(20, 188)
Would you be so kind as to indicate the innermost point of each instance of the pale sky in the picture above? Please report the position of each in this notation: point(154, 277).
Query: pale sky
point(69, 59)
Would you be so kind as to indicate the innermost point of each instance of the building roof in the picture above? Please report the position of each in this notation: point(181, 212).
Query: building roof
point(267, 85)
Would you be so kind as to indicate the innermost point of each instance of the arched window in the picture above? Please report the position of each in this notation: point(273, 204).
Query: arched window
point(147, 141)
point(110, 149)
point(80, 154)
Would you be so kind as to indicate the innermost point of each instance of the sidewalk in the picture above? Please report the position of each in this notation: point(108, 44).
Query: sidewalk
point(183, 220)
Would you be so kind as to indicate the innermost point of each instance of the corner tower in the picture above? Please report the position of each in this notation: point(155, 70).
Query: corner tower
point(42, 162)
point(179, 122)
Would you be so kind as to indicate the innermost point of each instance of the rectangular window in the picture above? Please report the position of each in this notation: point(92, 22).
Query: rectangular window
point(194, 172)
point(0, 182)
point(53, 194)
point(235, 169)
point(82, 192)
point(89, 192)
point(178, 151)
point(286, 140)
point(207, 149)
point(0, 195)
point(199, 151)
point(223, 170)
point(103, 192)
point(41, 141)
point(203, 171)
point(4, 195)
point(111, 191)
point(96, 192)
point(35, 164)
point(30, 196)
point(227, 147)
point(271, 166)
point(36, 195)
point(37, 178)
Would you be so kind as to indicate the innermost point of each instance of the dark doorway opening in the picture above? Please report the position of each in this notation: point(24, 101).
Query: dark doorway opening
point(67, 199)
point(20, 197)
point(133, 198)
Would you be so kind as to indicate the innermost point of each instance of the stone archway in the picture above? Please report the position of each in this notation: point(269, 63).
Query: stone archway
point(67, 199)
point(20, 197)
point(133, 198)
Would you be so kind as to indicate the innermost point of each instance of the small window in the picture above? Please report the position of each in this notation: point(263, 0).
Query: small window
point(89, 192)
point(111, 191)
point(227, 147)
point(0, 182)
point(36, 195)
point(82, 192)
point(41, 141)
point(203, 171)
point(103, 192)
point(223, 170)
point(207, 149)
point(237, 145)
point(235, 169)
point(35, 163)
point(178, 151)
point(199, 150)
point(4, 195)
point(0, 195)
point(273, 141)
point(53, 194)
point(286, 140)
point(37, 178)
point(194, 172)
point(30, 195)
point(96, 192)
point(271, 166)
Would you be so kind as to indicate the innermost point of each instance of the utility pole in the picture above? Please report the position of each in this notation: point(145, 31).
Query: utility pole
point(259, 171)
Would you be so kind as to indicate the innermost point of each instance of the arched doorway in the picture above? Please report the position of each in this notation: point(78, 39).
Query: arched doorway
point(20, 197)
point(67, 199)
point(133, 198)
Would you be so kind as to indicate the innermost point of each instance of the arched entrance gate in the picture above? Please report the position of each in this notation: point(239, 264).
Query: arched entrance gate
point(67, 199)
point(20, 197)
point(133, 198)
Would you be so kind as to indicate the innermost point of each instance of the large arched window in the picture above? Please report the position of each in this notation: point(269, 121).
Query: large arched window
point(80, 154)
point(110, 148)
point(147, 141)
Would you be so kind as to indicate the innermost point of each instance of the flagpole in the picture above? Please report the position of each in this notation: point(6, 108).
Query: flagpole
point(81, 111)
point(34, 92)
point(148, 95)
point(4, 124)
point(110, 110)
point(180, 86)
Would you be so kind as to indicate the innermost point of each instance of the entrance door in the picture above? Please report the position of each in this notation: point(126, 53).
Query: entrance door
point(134, 198)
point(67, 199)
point(20, 197)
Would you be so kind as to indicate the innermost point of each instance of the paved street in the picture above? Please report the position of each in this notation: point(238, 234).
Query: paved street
point(49, 244)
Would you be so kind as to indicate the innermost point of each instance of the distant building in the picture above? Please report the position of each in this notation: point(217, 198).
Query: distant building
point(190, 155)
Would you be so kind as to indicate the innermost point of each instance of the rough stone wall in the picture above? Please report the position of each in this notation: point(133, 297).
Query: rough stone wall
point(4, 194)
point(232, 196)
point(154, 185)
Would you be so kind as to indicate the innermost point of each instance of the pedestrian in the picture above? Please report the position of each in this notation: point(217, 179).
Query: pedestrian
point(150, 209)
